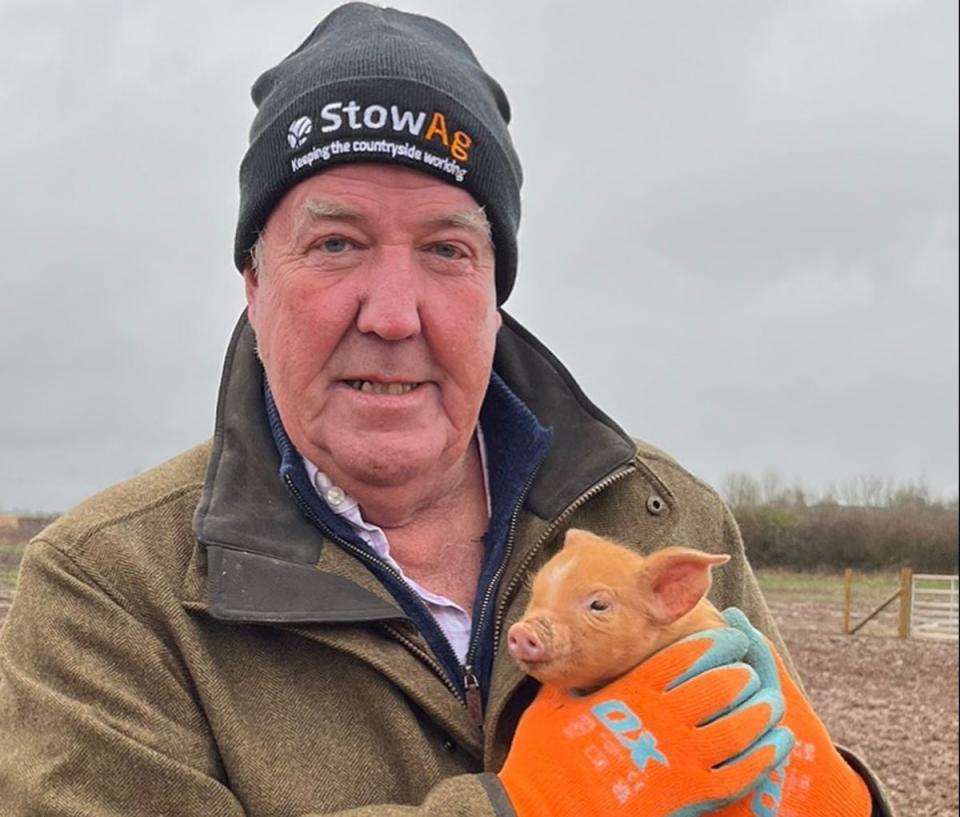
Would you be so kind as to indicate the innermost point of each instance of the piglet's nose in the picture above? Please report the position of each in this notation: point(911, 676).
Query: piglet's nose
point(524, 643)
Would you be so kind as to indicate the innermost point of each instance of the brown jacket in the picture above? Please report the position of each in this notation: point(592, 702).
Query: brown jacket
point(186, 643)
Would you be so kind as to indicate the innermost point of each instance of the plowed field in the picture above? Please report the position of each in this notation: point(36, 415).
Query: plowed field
point(890, 700)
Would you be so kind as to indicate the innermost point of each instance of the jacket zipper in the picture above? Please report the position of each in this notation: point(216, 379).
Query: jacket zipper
point(424, 656)
point(474, 702)
point(471, 697)
point(586, 496)
point(472, 684)
point(411, 645)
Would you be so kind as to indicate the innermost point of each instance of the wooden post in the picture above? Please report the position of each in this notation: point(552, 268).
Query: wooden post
point(847, 599)
point(906, 600)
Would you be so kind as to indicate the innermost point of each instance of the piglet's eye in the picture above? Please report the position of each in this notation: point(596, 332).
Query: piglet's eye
point(599, 606)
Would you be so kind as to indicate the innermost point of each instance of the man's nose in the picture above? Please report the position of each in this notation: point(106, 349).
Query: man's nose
point(390, 297)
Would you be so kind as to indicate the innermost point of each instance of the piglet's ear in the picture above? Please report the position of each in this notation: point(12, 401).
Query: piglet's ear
point(675, 579)
point(575, 537)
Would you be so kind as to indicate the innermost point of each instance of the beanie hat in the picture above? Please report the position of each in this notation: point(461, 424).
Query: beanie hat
point(378, 85)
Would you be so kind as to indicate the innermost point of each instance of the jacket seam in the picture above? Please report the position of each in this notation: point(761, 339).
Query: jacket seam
point(92, 577)
point(88, 574)
point(668, 461)
point(74, 548)
point(84, 536)
point(646, 471)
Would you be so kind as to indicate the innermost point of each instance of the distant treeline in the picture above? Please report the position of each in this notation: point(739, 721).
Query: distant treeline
point(869, 523)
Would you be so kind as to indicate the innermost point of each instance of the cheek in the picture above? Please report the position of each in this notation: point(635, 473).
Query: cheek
point(297, 332)
point(604, 645)
point(299, 319)
point(462, 332)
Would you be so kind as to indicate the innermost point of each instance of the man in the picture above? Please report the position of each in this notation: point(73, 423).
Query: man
point(304, 616)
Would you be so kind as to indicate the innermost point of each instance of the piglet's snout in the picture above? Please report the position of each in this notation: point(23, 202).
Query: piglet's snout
point(525, 643)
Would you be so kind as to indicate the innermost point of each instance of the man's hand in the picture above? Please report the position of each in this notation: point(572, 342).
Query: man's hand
point(688, 731)
point(814, 780)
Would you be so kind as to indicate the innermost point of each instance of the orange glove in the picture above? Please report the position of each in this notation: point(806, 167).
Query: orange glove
point(814, 780)
point(685, 733)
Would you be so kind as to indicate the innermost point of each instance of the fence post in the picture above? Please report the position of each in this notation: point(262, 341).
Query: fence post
point(906, 600)
point(847, 599)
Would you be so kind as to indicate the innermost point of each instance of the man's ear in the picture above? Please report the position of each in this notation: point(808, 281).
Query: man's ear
point(251, 286)
point(674, 580)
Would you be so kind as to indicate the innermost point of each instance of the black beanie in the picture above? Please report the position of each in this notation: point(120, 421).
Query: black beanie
point(378, 85)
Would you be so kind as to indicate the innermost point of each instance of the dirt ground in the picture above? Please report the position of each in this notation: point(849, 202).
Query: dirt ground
point(892, 701)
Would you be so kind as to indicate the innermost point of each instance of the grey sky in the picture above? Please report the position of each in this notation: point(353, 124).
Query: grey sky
point(739, 230)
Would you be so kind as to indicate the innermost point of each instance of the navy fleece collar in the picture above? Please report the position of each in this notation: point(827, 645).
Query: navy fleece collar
point(516, 446)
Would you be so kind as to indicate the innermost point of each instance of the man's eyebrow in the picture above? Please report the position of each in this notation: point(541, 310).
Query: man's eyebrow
point(474, 220)
point(316, 209)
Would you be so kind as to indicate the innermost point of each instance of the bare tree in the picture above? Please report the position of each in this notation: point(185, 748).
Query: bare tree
point(867, 490)
point(740, 490)
point(772, 487)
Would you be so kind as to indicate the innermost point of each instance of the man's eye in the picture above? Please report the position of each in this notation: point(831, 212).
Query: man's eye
point(446, 251)
point(335, 245)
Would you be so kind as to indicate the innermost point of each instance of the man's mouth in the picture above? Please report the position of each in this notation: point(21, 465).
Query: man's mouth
point(372, 387)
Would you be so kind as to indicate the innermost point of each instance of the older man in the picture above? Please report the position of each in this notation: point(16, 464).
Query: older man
point(305, 615)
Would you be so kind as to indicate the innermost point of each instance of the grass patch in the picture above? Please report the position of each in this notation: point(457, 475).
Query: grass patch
point(11, 547)
point(821, 583)
point(936, 584)
point(10, 556)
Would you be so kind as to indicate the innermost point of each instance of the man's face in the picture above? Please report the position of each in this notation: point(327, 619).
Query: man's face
point(375, 316)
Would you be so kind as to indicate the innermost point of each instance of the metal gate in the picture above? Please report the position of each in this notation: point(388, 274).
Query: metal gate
point(934, 606)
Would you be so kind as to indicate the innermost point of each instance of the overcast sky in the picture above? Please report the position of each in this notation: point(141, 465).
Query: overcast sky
point(739, 229)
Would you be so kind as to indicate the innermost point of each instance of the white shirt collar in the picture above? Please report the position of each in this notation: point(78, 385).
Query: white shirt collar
point(342, 504)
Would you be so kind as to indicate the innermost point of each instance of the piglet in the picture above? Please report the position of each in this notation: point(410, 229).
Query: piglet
point(598, 609)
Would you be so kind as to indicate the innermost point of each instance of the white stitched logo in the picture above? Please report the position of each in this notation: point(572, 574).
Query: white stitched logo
point(452, 146)
point(299, 131)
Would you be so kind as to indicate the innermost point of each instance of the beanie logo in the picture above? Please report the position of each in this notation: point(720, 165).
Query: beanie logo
point(299, 130)
point(335, 117)
point(439, 145)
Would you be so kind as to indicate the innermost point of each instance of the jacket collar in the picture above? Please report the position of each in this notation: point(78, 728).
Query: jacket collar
point(266, 561)
point(587, 444)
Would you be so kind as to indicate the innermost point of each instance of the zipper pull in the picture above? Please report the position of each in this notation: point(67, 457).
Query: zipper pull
point(472, 685)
